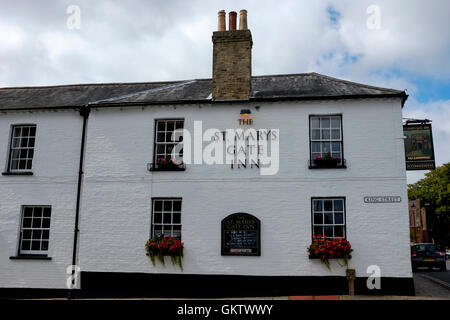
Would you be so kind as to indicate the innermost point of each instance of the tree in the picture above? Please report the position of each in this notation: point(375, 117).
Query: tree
point(434, 190)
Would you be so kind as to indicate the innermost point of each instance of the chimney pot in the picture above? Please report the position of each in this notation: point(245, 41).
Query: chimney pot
point(232, 20)
point(243, 20)
point(221, 21)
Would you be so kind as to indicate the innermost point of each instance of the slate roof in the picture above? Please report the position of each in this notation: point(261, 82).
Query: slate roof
point(304, 86)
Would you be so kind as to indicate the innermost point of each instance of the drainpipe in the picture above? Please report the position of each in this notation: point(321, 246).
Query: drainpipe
point(84, 112)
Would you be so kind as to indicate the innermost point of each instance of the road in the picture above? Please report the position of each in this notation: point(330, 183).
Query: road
point(425, 287)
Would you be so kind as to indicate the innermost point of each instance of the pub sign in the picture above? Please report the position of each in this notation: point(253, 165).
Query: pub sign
point(241, 235)
point(419, 150)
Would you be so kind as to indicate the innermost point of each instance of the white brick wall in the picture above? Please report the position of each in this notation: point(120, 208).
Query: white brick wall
point(54, 182)
point(116, 200)
point(118, 191)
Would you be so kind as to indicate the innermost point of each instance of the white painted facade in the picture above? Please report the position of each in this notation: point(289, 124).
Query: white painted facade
point(117, 191)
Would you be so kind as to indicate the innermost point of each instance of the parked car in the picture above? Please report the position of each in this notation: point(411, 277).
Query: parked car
point(427, 255)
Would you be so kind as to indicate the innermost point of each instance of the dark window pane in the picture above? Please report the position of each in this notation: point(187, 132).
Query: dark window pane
point(161, 137)
point(45, 234)
point(31, 142)
point(36, 234)
point(318, 205)
point(44, 245)
point(315, 147)
point(179, 124)
point(338, 205)
point(325, 122)
point(17, 131)
point(157, 231)
point(338, 218)
point(25, 131)
point(22, 164)
point(37, 222)
point(16, 142)
point(335, 122)
point(318, 230)
point(315, 123)
point(37, 212)
point(315, 134)
point(46, 223)
point(170, 125)
point(166, 218)
point(160, 149)
point(177, 206)
point(336, 147)
point(176, 217)
point(339, 231)
point(328, 218)
point(14, 164)
point(30, 153)
point(32, 131)
point(328, 205)
point(328, 230)
point(325, 134)
point(27, 222)
point(15, 153)
point(24, 142)
point(161, 126)
point(27, 212)
point(335, 134)
point(168, 205)
point(29, 162)
point(36, 245)
point(318, 218)
point(167, 231)
point(47, 212)
point(26, 234)
point(157, 217)
point(158, 205)
point(25, 245)
point(176, 232)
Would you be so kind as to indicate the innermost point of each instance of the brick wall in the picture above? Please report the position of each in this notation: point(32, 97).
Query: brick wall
point(232, 64)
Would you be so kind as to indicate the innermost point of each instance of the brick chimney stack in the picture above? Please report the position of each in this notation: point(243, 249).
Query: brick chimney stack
point(232, 58)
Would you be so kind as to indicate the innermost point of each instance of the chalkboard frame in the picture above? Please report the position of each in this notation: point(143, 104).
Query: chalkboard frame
point(224, 251)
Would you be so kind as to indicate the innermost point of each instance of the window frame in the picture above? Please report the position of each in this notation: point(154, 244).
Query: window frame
point(152, 223)
point(344, 224)
point(31, 253)
point(154, 166)
point(9, 170)
point(341, 141)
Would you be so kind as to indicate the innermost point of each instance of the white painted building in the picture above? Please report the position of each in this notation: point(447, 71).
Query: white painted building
point(119, 198)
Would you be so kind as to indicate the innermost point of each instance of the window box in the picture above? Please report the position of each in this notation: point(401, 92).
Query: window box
point(324, 248)
point(166, 167)
point(163, 246)
point(311, 256)
point(327, 164)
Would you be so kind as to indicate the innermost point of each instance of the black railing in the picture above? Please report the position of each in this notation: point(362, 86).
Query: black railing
point(324, 164)
point(166, 166)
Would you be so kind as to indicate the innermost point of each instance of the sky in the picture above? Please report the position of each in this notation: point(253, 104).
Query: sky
point(394, 44)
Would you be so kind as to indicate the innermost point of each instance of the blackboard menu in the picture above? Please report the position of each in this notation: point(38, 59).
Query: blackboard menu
point(241, 235)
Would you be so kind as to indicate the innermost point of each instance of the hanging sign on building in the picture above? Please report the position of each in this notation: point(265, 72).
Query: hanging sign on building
point(241, 235)
point(419, 150)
